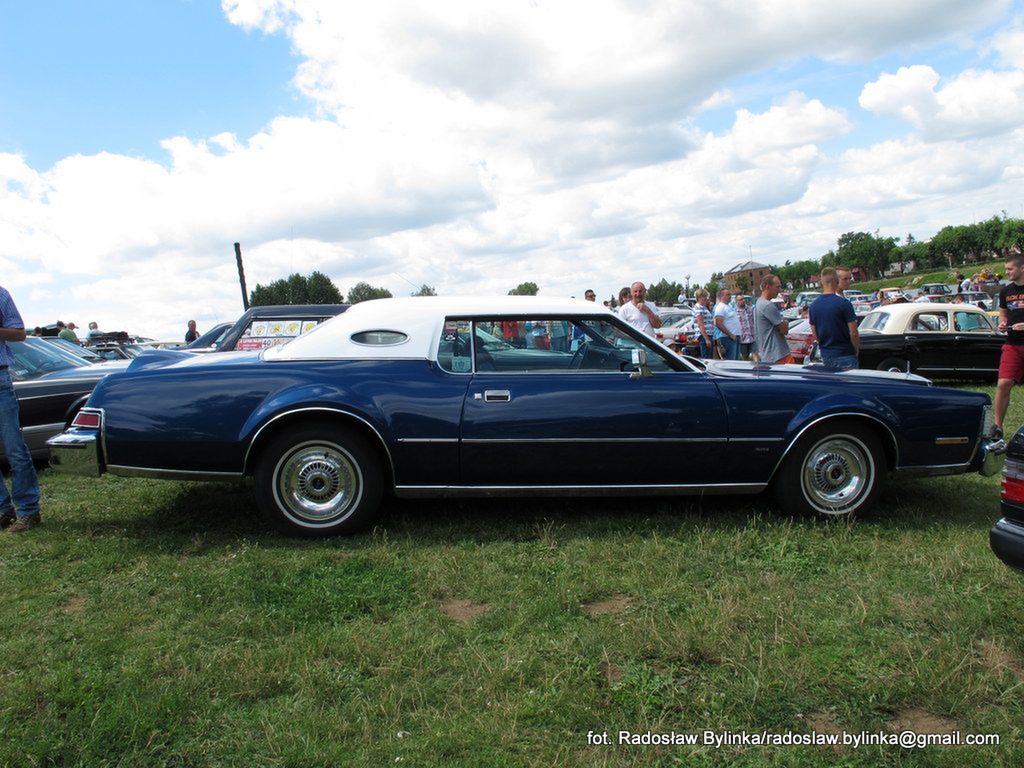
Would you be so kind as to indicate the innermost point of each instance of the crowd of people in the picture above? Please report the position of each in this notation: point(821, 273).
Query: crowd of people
point(743, 331)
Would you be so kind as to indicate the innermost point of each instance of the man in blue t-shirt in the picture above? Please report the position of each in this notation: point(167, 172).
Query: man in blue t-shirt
point(834, 324)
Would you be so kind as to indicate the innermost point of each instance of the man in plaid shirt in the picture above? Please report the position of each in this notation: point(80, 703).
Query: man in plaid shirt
point(24, 483)
point(745, 313)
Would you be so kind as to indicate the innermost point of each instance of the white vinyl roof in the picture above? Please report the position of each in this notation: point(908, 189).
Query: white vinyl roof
point(420, 318)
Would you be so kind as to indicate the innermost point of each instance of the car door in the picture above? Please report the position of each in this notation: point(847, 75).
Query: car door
point(978, 345)
point(931, 342)
point(586, 417)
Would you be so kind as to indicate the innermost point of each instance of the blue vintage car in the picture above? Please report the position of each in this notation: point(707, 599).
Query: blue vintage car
point(513, 395)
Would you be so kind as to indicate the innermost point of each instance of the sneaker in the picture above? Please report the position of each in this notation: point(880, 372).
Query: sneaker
point(25, 523)
point(6, 519)
point(996, 433)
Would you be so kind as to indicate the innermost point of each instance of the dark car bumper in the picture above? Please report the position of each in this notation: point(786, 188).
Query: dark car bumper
point(1007, 541)
point(75, 453)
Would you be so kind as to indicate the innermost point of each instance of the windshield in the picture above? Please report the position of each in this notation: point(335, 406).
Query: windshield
point(34, 358)
point(72, 351)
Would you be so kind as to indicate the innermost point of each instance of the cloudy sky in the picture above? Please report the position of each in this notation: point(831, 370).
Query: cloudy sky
point(475, 145)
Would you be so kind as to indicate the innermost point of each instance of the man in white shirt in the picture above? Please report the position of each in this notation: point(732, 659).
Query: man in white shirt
point(727, 326)
point(638, 312)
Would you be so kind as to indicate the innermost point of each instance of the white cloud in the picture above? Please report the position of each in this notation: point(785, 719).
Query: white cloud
point(974, 103)
point(474, 145)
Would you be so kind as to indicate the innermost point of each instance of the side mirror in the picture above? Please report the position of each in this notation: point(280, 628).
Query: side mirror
point(639, 360)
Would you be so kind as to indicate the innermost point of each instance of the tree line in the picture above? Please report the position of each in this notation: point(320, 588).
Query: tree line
point(955, 247)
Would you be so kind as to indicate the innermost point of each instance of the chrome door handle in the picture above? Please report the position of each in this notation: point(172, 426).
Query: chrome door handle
point(497, 396)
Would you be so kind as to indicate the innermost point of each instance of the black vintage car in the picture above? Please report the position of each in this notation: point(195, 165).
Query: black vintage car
point(931, 339)
point(51, 387)
point(1007, 536)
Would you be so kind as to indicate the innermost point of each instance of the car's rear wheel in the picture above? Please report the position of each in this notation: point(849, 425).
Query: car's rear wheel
point(895, 365)
point(318, 481)
point(833, 471)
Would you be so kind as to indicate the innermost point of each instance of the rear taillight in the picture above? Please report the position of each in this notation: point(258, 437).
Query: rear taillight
point(1013, 482)
point(86, 420)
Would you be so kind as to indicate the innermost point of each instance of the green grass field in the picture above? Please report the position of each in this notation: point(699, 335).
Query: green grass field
point(162, 624)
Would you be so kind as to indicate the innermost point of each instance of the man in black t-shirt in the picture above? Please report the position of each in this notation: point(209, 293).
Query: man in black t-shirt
point(1011, 320)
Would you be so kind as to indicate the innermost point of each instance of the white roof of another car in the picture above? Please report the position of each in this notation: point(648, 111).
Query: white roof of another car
point(420, 318)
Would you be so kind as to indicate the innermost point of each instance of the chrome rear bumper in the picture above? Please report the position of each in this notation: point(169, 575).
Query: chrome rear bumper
point(75, 453)
point(993, 456)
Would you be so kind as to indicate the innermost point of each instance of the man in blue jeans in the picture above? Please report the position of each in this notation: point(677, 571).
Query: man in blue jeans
point(24, 483)
point(834, 324)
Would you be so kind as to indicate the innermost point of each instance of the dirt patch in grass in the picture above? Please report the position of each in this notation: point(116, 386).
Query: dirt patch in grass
point(610, 672)
point(998, 659)
point(74, 605)
point(613, 604)
point(463, 611)
point(822, 722)
point(921, 721)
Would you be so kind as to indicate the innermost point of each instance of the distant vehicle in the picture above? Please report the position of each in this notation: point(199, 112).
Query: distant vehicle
point(935, 289)
point(273, 325)
point(854, 295)
point(76, 351)
point(804, 298)
point(51, 386)
point(211, 340)
point(800, 339)
point(934, 340)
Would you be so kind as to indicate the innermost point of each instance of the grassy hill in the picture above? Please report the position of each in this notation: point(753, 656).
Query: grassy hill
point(912, 280)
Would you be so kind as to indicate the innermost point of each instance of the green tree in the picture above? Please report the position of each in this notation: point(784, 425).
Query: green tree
point(525, 289)
point(863, 249)
point(1011, 235)
point(425, 290)
point(664, 292)
point(743, 284)
point(318, 288)
point(363, 291)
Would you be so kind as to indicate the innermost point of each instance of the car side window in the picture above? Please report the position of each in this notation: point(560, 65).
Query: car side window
point(930, 322)
point(971, 321)
point(454, 349)
point(553, 345)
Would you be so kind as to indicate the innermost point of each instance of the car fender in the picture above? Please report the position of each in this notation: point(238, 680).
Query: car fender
point(311, 399)
point(842, 406)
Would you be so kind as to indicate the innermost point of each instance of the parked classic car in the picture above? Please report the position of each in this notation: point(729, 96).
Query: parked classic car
point(51, 385)
point(424, 397)
point(1007, 536)
point(274, 325)
point(934, 340)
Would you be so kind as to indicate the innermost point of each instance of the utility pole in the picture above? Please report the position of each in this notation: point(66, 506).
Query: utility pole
point(241, 275)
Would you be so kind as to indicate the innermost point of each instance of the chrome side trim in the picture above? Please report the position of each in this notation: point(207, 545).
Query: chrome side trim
point(171, 474)
point(815, 422)
point(427, 440)
point(498, 440)
point(435, 491)
point(933, 470)
point(57, 426)
point(40, 397)
point(756, 439)
point(952, 440)
point(310, 409)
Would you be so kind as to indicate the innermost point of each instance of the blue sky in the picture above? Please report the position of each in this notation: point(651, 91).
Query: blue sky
point(116, 76)
point(472, 145)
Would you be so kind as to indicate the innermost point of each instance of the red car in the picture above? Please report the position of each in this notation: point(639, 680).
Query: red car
point(800, 339)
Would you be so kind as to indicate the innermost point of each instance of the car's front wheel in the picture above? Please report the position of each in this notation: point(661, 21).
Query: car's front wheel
point(833, 471)
point(318, 481)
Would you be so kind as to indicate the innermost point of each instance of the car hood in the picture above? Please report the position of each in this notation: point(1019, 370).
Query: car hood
point(744, 370)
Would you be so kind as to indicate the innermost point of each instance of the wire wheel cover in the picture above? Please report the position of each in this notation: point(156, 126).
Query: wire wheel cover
point(837, 474)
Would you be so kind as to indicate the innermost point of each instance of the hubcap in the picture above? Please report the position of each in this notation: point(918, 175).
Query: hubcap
point(317, 483)
point(836, 475)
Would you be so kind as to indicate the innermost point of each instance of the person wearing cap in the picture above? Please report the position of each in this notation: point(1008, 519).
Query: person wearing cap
point(19, 508)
